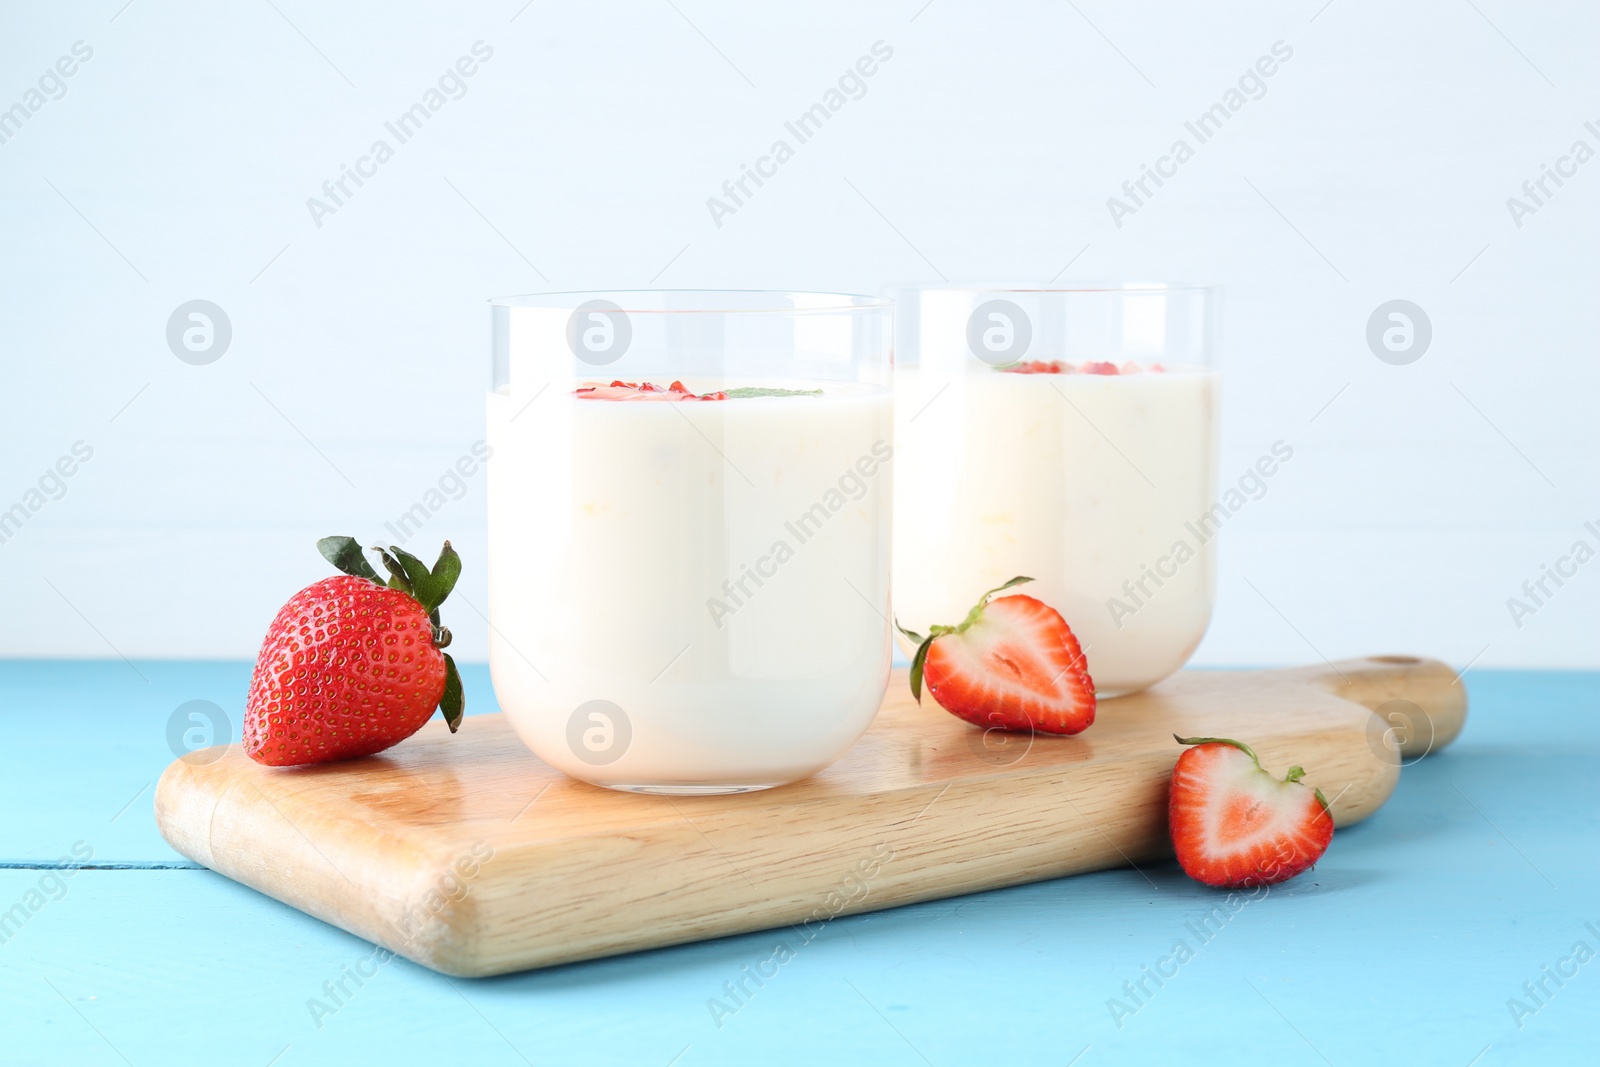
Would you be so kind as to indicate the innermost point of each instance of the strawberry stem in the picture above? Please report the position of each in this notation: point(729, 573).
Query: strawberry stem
point(977, 612)
point(1240, 745)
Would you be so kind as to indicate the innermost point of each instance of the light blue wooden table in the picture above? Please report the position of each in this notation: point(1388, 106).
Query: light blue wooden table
point(1414, 941)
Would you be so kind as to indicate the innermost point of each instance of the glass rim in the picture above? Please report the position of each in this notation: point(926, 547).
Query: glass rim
point(716, 301)
point(1051, 287)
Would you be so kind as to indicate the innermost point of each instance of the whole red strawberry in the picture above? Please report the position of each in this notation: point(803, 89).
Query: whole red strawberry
point(1012, 664)
point(350, 665)
point(1234, 825)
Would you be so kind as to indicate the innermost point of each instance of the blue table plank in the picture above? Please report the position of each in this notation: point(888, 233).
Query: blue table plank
point(1405, 944)
point(86, 741)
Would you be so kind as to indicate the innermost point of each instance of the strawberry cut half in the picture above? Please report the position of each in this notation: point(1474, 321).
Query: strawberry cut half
point(1235, 826)
point(1012, 664)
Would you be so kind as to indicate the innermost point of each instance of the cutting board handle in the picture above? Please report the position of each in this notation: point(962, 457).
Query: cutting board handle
point(1422, 701)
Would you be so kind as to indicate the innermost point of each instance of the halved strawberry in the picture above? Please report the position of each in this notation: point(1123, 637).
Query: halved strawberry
point(1234, 825)
point(1012, 664)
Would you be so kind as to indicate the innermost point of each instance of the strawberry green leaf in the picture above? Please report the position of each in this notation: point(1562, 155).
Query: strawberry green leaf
point(446, 569)
point(397, 573)
point(346, 554)
point(917, 663)
point(745, 392)
point(430, 587)
point(454, 701)
point(417, 574)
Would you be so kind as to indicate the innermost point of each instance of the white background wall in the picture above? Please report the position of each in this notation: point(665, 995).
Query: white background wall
point(178, 163)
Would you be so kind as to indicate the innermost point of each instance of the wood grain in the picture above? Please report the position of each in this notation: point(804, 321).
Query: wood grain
point(470, 856)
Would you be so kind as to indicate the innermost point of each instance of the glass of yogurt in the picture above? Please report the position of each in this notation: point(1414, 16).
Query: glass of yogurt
point(689, 532)
point(1070, 435)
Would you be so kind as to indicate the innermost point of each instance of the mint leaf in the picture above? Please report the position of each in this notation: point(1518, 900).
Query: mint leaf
point(745, 392)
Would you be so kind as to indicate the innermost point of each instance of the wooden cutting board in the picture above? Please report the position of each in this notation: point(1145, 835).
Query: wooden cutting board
point(470, 856)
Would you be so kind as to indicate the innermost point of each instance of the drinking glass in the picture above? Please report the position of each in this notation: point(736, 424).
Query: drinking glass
point(689, 568)
point(1067, 434)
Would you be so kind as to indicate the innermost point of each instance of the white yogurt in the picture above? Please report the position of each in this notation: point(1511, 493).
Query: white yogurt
point(1097, 486)
point(690, 596)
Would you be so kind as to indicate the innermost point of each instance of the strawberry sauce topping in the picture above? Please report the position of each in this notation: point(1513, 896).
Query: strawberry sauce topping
point(1039, 366)
point(621, 390)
